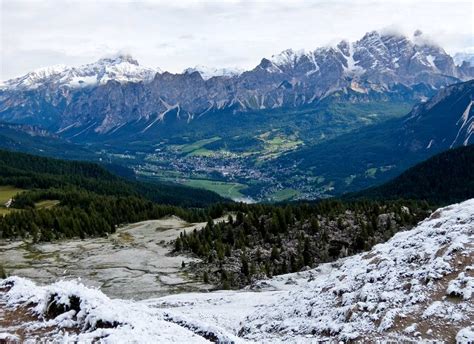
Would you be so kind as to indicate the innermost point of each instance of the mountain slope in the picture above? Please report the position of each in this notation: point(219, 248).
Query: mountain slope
point(34, 140)
point(378, 63)
point(377, 153)
point(417, 286)
point(442, 179)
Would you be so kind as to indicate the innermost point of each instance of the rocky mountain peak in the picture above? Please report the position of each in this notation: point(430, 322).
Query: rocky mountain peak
point(377, 63)
point(121, 58)
point(121, 68)
point(210, 72)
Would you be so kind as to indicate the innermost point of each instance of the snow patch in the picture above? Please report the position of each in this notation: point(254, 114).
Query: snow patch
point(210, 72)
point(122, 68)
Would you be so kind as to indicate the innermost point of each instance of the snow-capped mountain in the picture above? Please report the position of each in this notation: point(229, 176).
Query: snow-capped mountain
point(380, 58)
point(418, 286)
point(378, 65)
point(210, 72)
point(121, 68)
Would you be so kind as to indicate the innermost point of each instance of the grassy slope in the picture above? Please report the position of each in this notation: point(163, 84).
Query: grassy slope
point(225, 189)
point(7, 192)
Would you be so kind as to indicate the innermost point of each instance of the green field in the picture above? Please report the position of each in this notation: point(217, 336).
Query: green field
point(4, 211)
point(196, 146)
point(284, 195)
point(225, 189)
point(7, 192)
point(276, 144)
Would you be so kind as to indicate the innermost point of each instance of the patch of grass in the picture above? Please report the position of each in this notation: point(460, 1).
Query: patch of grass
point(126, 237)
point(202, 152)
point(370, 173)
point(350, 179)
point(7, 192)
point(46, 204)
point(284, 195)
point(4, 211)
point(225, 189)
point(190, 148)
point(276, 144)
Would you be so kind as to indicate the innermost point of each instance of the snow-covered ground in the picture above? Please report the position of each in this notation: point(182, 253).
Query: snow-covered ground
point(137, 252)
point(418, 285)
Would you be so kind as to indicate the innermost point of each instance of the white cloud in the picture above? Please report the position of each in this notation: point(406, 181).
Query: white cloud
point(176, 34)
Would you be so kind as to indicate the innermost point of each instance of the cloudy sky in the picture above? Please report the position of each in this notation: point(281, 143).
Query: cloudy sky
point(175, 34)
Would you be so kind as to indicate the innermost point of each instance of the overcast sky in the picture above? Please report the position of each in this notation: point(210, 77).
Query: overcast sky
point(175, 34)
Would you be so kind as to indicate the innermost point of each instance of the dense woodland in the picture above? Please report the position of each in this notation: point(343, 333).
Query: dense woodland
point(86, 214)
point(91, 200)
point(265, 240)
point(443, 179)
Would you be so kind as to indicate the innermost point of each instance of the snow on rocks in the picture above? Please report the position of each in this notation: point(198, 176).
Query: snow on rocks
point(76, 313)
point(462, 286)
point(416, 287)
point(466, 335)
point(386, 290)
point(121, 68)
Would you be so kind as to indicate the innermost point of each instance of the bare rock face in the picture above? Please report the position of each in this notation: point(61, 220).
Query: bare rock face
point(103, 96)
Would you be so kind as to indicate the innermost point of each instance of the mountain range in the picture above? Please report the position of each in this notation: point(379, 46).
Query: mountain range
point(112, 93)
point(300, 125)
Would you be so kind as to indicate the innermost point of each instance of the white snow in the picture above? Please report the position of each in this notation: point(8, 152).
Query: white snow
point(466, 121)
point(135, 321)
point(431, 59)
point(352, 67)
point(288, 57)
point(465, 336)
point(210, 72)
point(121, 68)
point(462, 286)
point(419, 283)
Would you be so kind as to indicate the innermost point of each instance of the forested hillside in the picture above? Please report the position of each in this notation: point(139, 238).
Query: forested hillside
point(87, 200)
point(442, 179)
point(30, 171)
point(267, 240)
point(35, 140)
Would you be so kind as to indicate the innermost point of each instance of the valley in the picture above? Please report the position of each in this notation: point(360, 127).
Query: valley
point(242, 162)
point(316, 195)
point(264, 134)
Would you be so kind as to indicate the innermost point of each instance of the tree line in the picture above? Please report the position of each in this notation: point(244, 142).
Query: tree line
point(82, 213)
